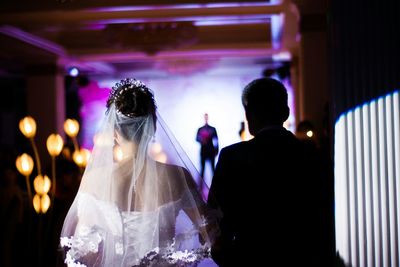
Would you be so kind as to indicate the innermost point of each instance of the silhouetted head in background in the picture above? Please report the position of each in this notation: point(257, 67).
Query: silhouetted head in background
point(265, 102)
point(205, 118)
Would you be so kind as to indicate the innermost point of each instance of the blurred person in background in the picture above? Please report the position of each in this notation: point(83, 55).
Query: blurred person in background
point(208, 139)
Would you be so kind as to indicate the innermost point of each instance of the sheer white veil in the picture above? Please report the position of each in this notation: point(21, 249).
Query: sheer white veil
point(141, 201)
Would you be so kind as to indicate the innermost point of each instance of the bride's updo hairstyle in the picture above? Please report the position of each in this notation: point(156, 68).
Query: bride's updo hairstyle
point(133, 102)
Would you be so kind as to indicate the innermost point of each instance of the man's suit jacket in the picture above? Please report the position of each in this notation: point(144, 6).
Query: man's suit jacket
point(207, 135)
point(269, 191)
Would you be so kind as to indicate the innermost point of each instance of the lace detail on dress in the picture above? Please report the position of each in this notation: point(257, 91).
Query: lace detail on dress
point(85, 242)
point(169, 256)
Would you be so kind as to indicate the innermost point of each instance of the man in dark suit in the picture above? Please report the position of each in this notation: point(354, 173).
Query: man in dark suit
point(208, 139)
point(269, 191)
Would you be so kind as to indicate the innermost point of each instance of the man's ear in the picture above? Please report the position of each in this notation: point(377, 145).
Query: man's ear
point(251, 123)
point(249, 116)
point(285, 114)
point(246, 114)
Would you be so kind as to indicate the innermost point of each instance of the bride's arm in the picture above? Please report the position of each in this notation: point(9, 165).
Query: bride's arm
point(197, 210)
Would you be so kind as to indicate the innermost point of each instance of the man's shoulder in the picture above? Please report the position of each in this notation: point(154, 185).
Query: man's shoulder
point(235, 148)
point(210, 127)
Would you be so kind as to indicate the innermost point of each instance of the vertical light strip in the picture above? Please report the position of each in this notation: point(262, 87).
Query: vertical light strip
point(396, 131)
point(351, 188)
point(367, 183)
point(276, 30)
point(383, 180)
point(368, 188)
point(341, 208)
point(375, 182)
point(359, 176)
point(390, 180)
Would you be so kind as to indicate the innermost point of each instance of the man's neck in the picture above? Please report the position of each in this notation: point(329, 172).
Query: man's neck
point(269, 127)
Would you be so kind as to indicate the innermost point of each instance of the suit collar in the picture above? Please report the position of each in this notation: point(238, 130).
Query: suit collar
point(271, 128)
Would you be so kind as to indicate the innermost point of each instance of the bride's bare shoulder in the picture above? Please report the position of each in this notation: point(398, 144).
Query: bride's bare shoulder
point(172, 169)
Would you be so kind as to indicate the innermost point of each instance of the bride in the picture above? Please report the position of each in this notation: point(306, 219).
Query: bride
point(131, 208)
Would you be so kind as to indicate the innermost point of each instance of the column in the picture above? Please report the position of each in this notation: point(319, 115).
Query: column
point(45, 103)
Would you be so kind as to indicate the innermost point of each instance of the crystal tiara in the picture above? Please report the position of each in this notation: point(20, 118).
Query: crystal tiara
point(124, 85)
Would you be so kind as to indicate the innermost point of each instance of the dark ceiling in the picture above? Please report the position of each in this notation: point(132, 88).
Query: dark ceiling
point(100, 35)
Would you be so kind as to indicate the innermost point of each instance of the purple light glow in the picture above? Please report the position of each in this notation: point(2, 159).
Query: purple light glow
point(129, 56)
point(276, 30)
point(93, 27)
point(93, 98)
point(240, 19)
point(184, 6)
point(232, 22)
point(282, 56)
point(33, 40)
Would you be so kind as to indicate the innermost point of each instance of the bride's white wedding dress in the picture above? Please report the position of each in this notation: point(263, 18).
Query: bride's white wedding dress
point(129, 234)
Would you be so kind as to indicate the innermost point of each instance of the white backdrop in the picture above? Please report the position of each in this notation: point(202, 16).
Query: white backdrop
point(182, 101)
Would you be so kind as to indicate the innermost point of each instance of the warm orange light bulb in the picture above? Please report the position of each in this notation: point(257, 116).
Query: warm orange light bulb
point(45, 203)
point(36, 203)
point(71, 127)
point(86, 155)
point(156, 148)
point(42, 184)
point(28, 127)
point(24, 164)
point(118, 154)
point(41, 203)
point(54, 144)
point(81, 157)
